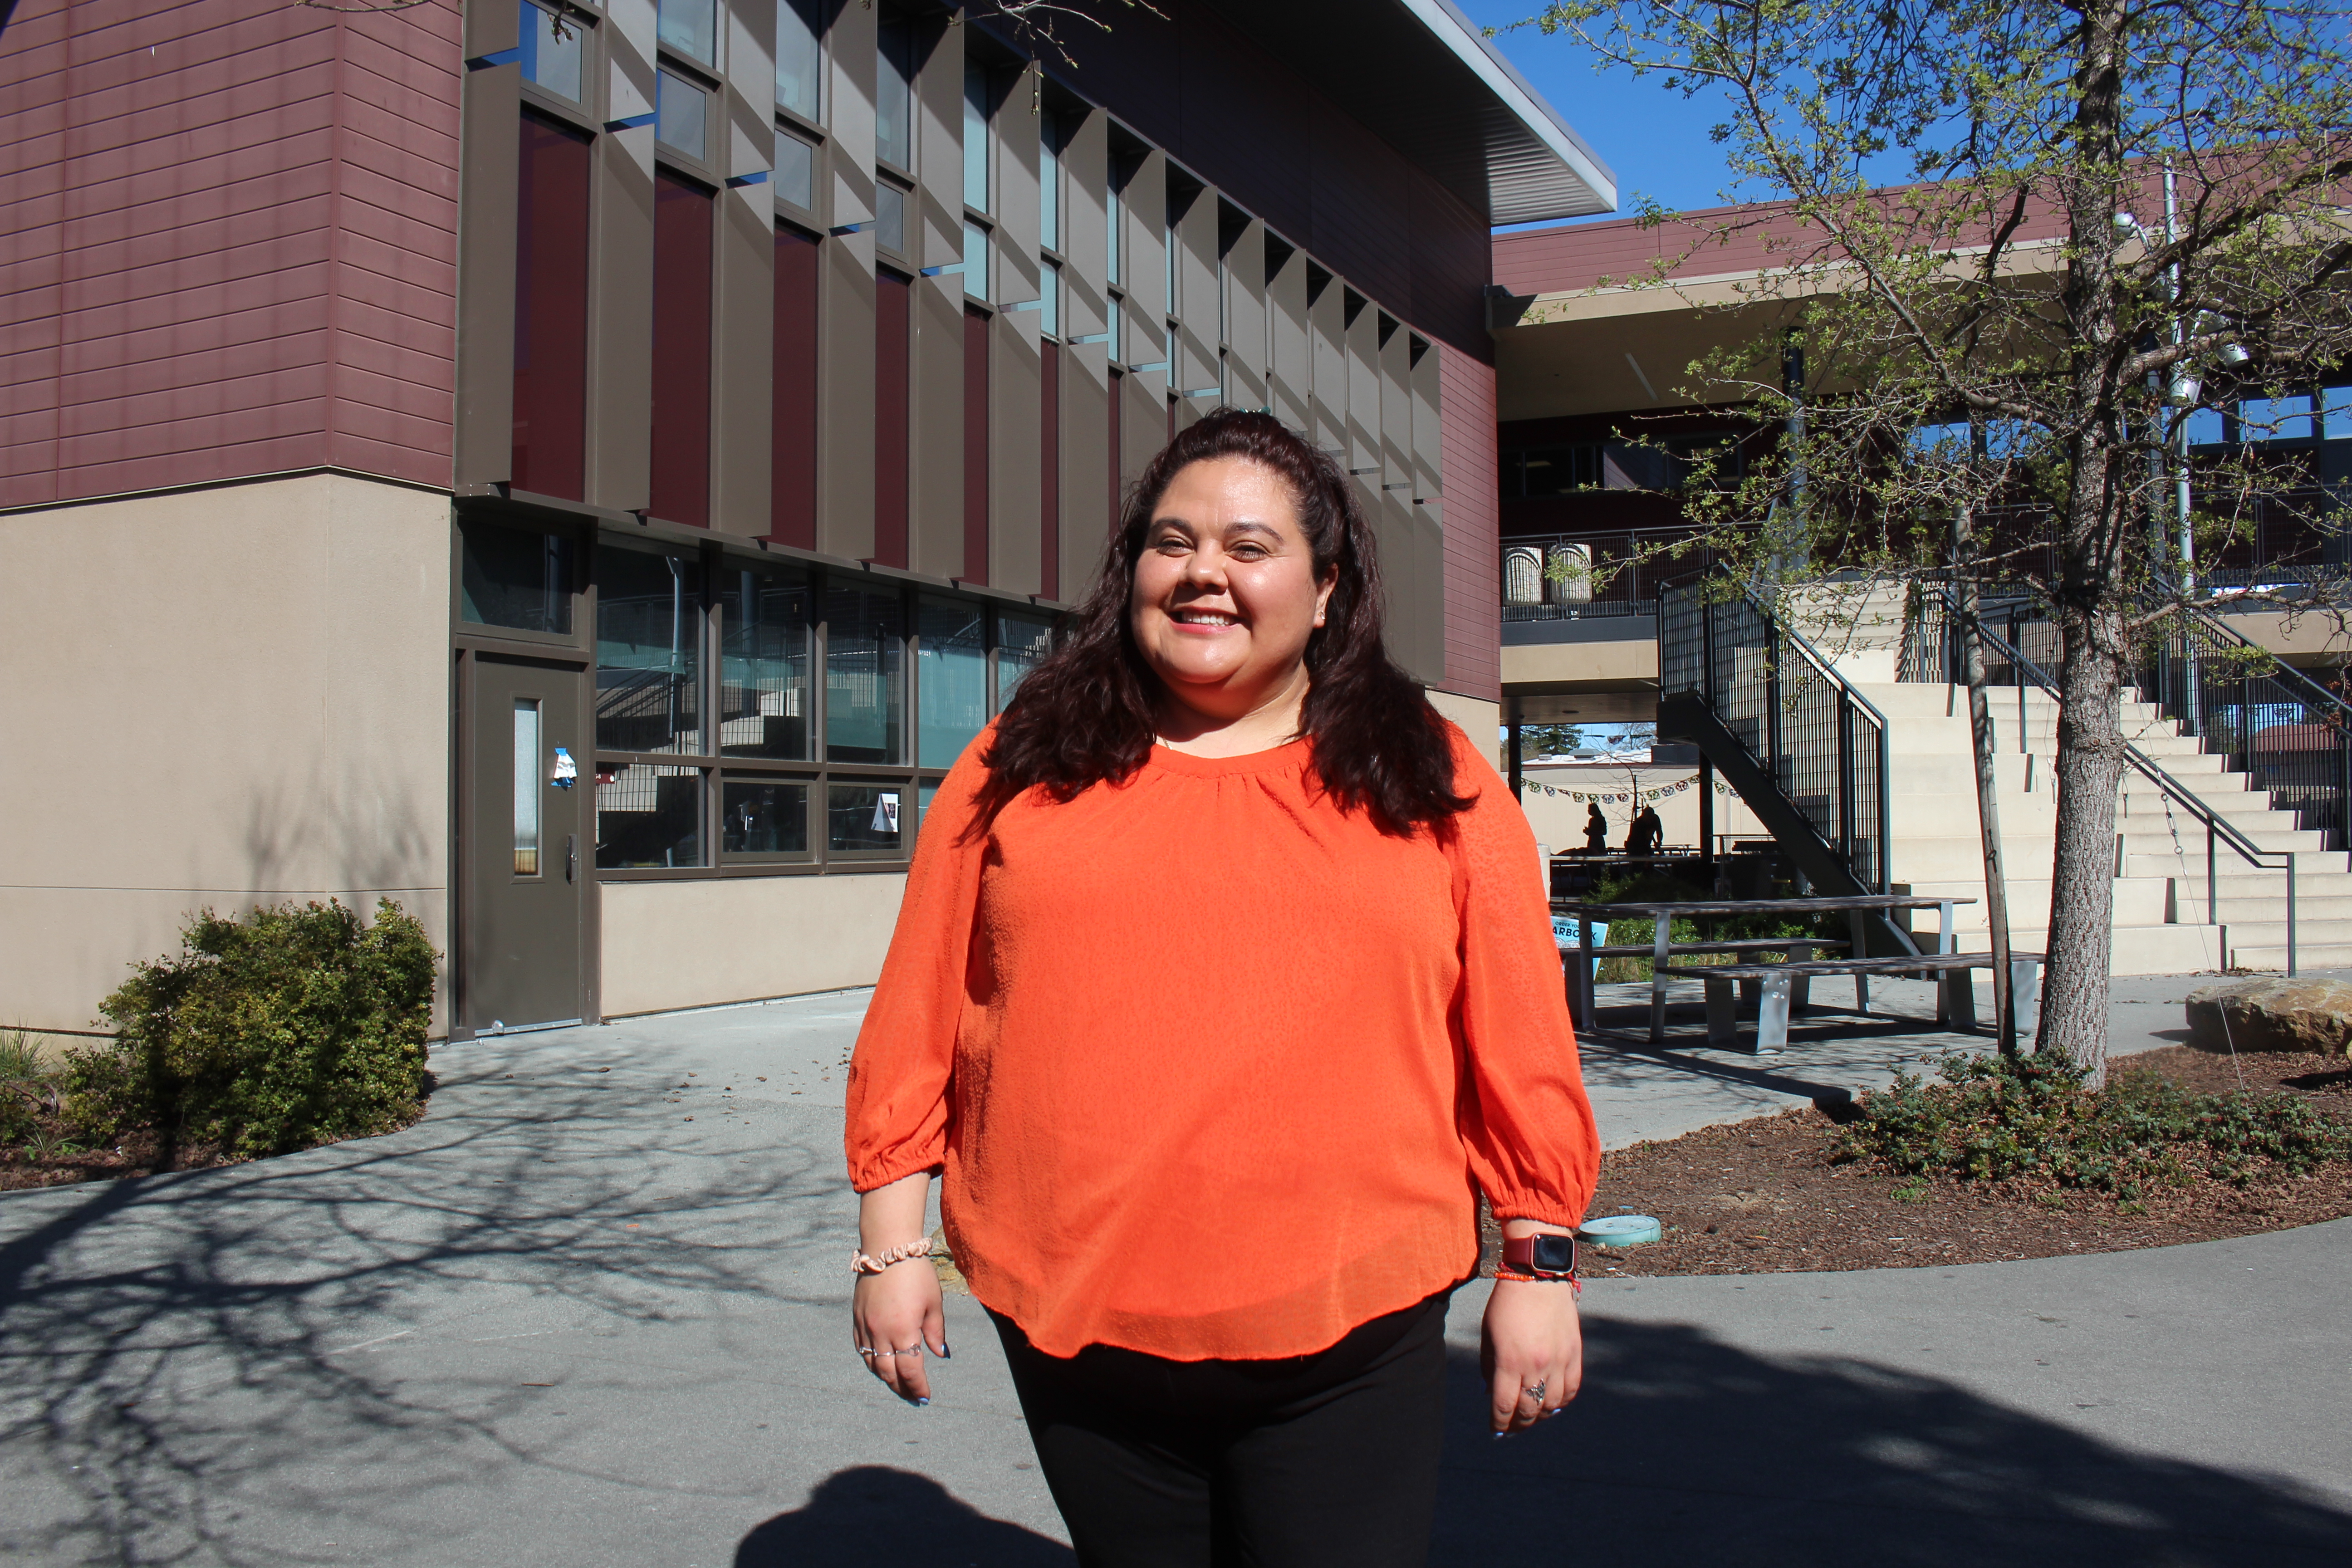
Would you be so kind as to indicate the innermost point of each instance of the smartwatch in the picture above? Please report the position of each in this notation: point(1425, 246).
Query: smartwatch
point(1545, 1257)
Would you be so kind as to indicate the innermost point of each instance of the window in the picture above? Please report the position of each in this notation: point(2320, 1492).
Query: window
point(864, 819)
point(648, 651)
point(894, 95)
point(549, 453)
point(514, 577)
point(865, 682)
point(951, 678)
point(525, 786)
point(1049, 303)
point(690, 28)
point(795, 170)
point(800, 59)
point(551, 50)
point(976, 183)
point(1021, 642)
point(678, 483)
point(975, 259)
point(681, 113)
point(648, 817)
point(1049, 183)
point(2275, 419)
point(763, 819)
point(890, 216)
point(764, 643)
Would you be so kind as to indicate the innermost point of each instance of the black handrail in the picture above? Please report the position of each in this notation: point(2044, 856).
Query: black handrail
point(2216, 828)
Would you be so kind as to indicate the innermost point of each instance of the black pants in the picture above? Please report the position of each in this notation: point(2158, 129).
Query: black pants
point(1315, 1459)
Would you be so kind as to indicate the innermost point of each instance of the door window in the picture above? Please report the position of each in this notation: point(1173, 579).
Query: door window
point(525, 786)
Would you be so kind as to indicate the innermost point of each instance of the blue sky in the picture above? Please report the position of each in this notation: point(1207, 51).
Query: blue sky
point(1655, 141)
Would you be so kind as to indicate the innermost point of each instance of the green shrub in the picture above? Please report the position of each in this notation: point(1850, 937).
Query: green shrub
point(2032, 1119)
point(291, 1028)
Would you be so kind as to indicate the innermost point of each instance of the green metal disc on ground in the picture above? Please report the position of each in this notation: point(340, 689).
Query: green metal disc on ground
point(1619, 1230)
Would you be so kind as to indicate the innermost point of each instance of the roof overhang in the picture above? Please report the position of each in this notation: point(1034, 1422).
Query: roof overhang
point(1428, 82)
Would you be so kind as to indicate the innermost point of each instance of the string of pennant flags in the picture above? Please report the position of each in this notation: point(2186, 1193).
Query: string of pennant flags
point(1622, 796)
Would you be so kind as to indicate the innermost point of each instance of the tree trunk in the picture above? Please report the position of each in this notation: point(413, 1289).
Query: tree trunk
point(2083, 869)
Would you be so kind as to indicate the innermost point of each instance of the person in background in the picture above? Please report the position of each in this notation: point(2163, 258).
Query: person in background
point(1647, 832)
point(1596, 830)
point(1222, 986)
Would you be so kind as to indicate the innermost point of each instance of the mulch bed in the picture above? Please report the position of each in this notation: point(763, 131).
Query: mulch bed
point(133, 1154)
point(1759, 1198)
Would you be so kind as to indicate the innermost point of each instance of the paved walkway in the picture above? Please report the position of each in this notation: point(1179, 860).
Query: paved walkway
point(591, 1311)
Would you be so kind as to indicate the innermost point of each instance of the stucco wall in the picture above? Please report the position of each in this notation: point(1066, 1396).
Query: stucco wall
point(216, 698)
point(691, 945)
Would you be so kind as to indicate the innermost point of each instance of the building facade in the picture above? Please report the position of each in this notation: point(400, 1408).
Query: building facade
point(584, 471)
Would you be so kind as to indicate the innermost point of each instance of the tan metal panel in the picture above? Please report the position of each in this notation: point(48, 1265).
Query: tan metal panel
point(1017, 127)
point(848, 168)
point(939, 144)
point(1247, 352)
point(1290, 344)
point(1396, 409)
point(621, 320)
point(1142, 423)
point(1428, 432)
point(846, 302)
point(1197, 306)
point(1363, 348)
point(935, 490)
point(492, 111)
point(1327, 381)
point(743, 374)
point(1143, 249)
point(1085, 464)
point(1015, 384)
point(1084, 228)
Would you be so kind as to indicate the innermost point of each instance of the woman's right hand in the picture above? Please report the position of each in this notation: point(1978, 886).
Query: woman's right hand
point(899, 1316)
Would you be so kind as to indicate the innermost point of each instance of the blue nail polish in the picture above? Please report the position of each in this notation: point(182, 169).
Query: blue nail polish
point(920, 1402)
point(1500, 1435)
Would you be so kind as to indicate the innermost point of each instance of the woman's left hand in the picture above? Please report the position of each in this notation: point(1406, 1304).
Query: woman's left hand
point(1531, 1351)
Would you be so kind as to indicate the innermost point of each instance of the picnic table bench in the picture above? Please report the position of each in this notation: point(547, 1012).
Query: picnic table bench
point(1776, 983)
point(1663, 948)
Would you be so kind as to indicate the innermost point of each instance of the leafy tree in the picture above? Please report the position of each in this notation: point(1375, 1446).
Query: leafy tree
point(2122, 211)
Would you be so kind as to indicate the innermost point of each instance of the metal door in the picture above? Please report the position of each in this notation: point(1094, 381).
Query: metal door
point(526, 868)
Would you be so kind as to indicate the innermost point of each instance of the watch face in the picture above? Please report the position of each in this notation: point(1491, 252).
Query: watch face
point(1554, 1254)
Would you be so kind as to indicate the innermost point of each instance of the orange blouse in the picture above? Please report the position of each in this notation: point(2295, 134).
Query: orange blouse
point(1213, 1068)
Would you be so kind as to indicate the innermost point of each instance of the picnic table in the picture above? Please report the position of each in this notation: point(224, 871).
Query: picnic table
point(1662, 913)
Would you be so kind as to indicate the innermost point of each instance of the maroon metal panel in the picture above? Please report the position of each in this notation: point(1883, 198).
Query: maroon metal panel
point(1049, 479)
point(975, 444)
point(233, 243)
point(679, 476)
point(550, 354)
point(1118, 396)
point(793, 492)
point(893, 305)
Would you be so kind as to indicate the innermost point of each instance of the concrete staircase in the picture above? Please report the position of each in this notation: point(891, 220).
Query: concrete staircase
point(2161, 924)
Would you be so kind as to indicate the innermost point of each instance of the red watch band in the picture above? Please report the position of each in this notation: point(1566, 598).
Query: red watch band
point(1521, 1253)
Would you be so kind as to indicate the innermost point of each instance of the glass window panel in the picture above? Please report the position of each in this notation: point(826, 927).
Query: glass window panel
point(864, 818)
point(975, 137)
point(865, 680)
point(951, 678)
point(691, 27)
point(551, 50)
point(760, 817)
point(976, 260)
point(1049, 309)
point(1049, 184)
point(1116, 206)
point(525, 786)
point(1021, 642)
point(2275, 419)
point(2205, 427)
point(2336, 413)
point(515, 577)
point(648, 817)
point(924, 794)
point(681, 111)
point(890, 217)
point(795, 170)
point(1114, 336)
point(648, 651)
point(894, 98)
point(764, 665)
point(800, 59)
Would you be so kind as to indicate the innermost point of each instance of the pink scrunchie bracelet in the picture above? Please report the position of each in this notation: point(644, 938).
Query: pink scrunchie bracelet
point(867, 1263)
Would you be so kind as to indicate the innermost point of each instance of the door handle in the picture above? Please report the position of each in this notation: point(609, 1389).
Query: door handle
point(572, 856)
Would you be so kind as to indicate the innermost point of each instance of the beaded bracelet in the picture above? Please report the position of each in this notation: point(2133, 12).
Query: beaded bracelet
point(867, 1263)
point(1575, 1285)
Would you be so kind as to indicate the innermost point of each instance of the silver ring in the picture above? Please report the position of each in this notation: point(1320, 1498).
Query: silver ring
point(1537, 1389)
point(911, 1350)
point(868, 1351)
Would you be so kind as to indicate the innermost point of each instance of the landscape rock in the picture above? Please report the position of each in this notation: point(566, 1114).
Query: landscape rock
point(2272, 1014)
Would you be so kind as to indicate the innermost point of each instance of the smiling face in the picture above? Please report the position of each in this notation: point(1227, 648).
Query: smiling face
point(1225, 594)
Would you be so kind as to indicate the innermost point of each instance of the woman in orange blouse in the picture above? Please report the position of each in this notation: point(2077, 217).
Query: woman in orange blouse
point(1222, 984)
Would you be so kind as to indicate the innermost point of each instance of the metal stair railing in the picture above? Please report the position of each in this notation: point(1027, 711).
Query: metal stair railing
point(2218, 830)
point(1805, 733)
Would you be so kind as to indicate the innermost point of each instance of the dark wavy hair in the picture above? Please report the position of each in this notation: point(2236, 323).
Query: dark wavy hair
point(1087, 713)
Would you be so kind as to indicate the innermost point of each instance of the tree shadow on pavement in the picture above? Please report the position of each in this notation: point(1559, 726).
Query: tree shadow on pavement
point(1684, 1450)
point(856, 1513)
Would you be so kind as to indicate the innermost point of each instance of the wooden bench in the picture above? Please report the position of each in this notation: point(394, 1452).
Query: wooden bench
point(1776, 984)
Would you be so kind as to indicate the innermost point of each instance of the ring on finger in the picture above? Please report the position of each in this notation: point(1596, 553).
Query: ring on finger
point(868, 1351)
point(1537, 1389)
point(911, 1350)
